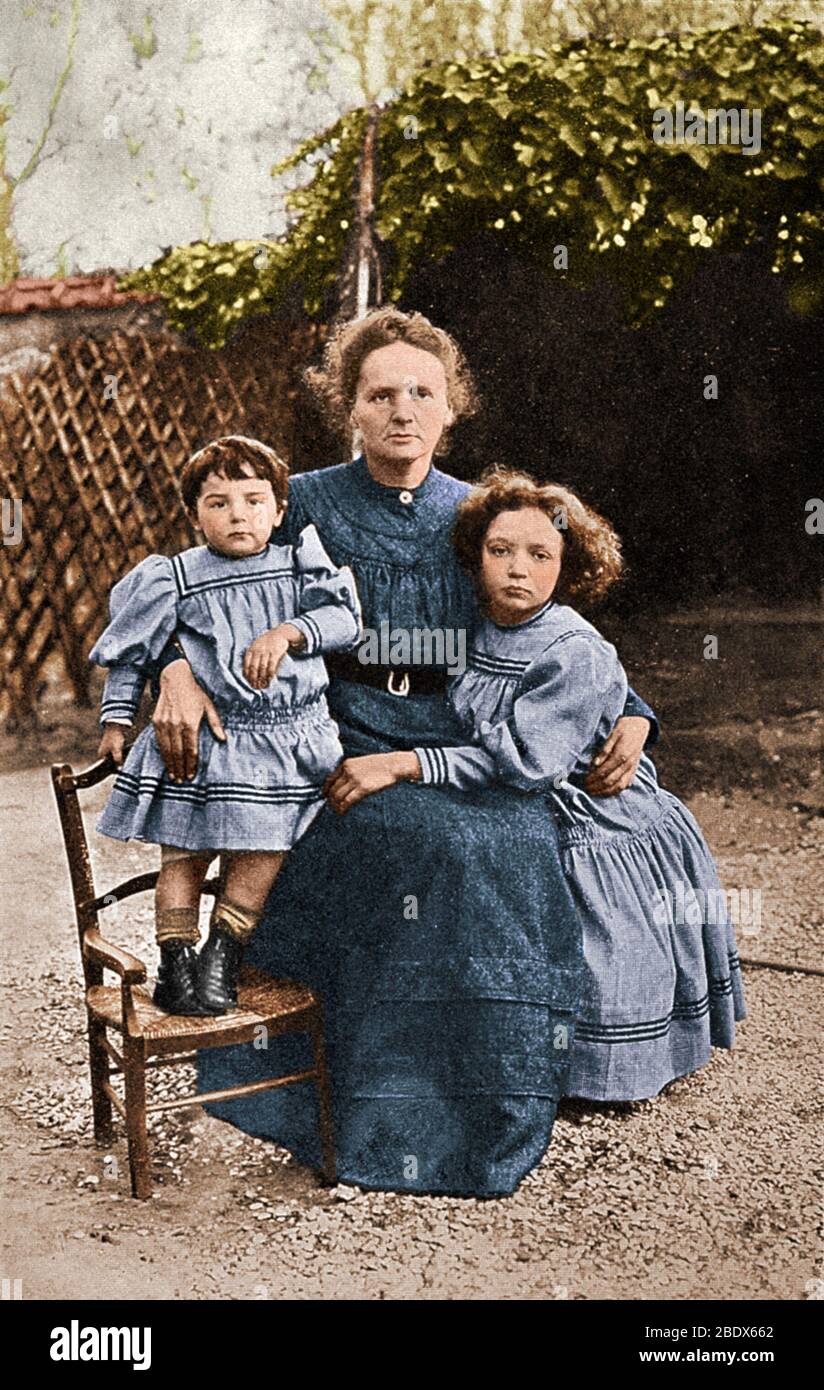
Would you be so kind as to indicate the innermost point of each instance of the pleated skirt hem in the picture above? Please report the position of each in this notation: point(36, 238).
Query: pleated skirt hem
point(237, 829)
point(639, 1070)
point(261, 790)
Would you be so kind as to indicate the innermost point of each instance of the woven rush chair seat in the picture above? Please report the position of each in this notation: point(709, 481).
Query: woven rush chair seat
point(149, 1037)
point(262, 1001)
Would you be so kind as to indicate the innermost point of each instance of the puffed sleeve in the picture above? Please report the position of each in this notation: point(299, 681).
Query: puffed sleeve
point(329, 607)
point(564, 696)
point(143, 612)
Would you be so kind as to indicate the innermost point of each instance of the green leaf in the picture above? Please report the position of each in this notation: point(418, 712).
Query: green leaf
point(616, 90)
point(443, 160)
point(809, 138)
point(588, 98)
point(502, 107)
point(613, 192)
point(700, 154)
point(525, 153)
point(409, 154)
point(469, 152)
point(679, 218)
point(571, 138)
point(788, 169)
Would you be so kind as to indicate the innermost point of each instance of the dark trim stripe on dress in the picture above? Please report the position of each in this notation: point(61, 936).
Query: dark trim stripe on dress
point(642, 1032)
point(186, 587)
point(718, 988)
point(109, 708)
point(434, 767)
point(687, 1012)
point(314, 632)
point(129, 785)
point(496, 665)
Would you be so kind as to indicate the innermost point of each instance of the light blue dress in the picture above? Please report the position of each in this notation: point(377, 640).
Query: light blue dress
point(663, 978)
point(262, 788)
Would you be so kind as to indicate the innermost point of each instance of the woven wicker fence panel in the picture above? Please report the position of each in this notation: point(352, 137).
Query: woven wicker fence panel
point(91, 449)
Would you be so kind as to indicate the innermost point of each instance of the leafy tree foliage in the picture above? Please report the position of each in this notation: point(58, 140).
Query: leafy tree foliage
point(547, 149)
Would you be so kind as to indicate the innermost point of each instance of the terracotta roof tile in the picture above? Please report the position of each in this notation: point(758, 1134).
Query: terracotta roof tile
point(71, 292)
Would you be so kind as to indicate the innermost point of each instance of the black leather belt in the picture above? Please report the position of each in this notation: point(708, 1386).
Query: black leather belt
point(398, 680)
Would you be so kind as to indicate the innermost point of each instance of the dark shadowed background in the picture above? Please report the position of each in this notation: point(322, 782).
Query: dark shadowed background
point(708, 495)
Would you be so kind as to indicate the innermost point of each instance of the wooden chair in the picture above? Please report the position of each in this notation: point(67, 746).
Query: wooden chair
point(151, 1038)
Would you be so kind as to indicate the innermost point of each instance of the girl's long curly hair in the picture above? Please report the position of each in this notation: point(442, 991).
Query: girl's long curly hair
point(591, 559)
point(334, 383)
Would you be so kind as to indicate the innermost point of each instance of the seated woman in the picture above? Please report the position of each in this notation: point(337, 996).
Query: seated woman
point(440, 932)
point(541, 689)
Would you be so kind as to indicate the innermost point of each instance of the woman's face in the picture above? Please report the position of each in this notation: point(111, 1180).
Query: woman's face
point(401, 406)
point(520, 563)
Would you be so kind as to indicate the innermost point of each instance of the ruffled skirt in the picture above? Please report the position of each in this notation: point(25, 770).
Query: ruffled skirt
point(662, 973)
point(260, 790)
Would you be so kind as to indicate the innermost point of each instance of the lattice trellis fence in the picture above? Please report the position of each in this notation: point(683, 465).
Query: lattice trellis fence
point(92, 447)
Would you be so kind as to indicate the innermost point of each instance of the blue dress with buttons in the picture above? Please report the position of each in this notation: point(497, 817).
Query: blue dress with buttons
point(262, 788)
point(439, 931)
point(663, 977)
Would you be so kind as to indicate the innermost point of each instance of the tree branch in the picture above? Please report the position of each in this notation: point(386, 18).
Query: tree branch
point(55, 101)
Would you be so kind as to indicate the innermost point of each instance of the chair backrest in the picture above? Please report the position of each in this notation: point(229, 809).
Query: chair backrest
point(87, 903)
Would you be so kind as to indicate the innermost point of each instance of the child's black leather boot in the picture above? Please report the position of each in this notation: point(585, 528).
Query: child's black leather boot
point(218, 970)
point(176, 991)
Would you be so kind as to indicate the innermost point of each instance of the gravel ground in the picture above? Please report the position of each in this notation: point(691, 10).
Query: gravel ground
point(708, 1191)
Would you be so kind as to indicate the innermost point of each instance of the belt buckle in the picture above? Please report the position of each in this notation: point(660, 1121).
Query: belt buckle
point(403, 688)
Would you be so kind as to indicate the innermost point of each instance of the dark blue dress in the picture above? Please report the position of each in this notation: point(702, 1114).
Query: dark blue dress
point(439, 931)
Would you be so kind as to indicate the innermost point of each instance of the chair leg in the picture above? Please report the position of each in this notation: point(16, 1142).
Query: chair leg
point(327, 1128)
point(99, 1065)
point(135, 1078)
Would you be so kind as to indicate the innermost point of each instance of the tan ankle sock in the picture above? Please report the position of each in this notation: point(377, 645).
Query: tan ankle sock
point(177, 923)
point(234, 919)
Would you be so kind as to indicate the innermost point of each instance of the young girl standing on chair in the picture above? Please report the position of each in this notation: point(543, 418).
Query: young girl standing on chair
point(253, 619)
point(541, 691)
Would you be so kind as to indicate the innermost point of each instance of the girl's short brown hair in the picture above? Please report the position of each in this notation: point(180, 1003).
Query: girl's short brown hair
point(591, 557)
point(231, 457)
point(335, 382)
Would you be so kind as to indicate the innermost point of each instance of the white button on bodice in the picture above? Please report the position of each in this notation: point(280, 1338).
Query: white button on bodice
point(405, 497)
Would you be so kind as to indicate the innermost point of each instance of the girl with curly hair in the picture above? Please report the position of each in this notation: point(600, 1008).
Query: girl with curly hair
point(541, 690)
